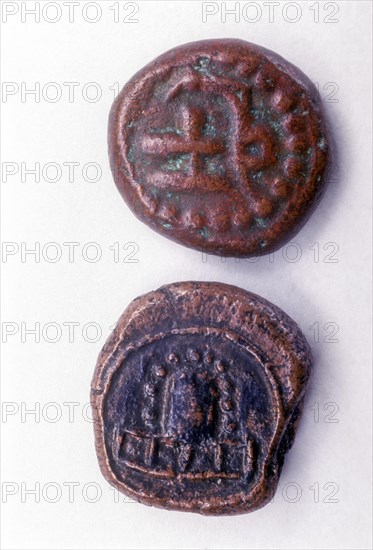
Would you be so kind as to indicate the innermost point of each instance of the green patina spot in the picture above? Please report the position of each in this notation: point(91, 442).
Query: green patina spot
point(213, 165)
point(166, 130)
point(178, 163)
point(131, 155)
point(307, 154)
point(202, 65)
point(239, 94)
point(173, 197)
point(276, 126)
point(261, 222)
point(209, 128)
point(204, 232)
point(321, 144)
point(257, 175)
point(254, 149)
point(255, 113)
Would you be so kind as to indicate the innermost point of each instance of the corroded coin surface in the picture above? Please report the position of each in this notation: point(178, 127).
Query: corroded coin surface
point(196, 397)
point(220, 145)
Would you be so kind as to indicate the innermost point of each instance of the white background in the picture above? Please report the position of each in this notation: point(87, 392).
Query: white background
point(332, 449)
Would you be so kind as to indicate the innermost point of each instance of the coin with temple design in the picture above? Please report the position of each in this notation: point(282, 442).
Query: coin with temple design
point(220, 145)
point(196, 398)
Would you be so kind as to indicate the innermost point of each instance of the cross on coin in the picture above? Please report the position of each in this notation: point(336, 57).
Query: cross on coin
point(190, 143)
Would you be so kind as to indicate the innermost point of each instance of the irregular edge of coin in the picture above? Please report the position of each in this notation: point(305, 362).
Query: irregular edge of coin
point(283, 339)
point(126, 186)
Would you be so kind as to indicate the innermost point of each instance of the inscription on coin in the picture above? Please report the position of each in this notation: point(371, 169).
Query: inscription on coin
point(196, 397)
point(220, 145)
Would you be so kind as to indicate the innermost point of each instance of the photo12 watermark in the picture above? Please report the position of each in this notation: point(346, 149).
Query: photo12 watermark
point(271, 12)
point(291, 253)
point(69, 252)
point(92, 492)
point(71, 412)
point(50, 172)
point(29, 12)
point(93, 92)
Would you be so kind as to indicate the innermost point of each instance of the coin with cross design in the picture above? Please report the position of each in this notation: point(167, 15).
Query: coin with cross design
point(220, 145)
point(196, 398)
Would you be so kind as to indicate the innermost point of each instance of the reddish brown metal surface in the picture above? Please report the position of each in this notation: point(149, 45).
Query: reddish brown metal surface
point(196, 398)
point(221, 146)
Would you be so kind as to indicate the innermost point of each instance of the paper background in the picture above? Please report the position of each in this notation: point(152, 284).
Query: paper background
point(332, 449)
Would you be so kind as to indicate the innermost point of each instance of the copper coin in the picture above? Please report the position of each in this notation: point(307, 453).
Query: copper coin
point(196, 398)
point(221, 146)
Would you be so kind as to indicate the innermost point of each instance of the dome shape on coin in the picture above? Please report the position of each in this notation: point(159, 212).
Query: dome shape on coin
point(196, 398)
point(220, 145)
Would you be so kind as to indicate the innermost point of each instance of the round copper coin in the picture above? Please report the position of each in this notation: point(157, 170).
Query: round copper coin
point(196, 398)
point(221, 146)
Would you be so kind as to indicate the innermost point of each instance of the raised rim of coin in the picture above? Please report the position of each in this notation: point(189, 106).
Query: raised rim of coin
point(238, 225)
point(246, 319)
